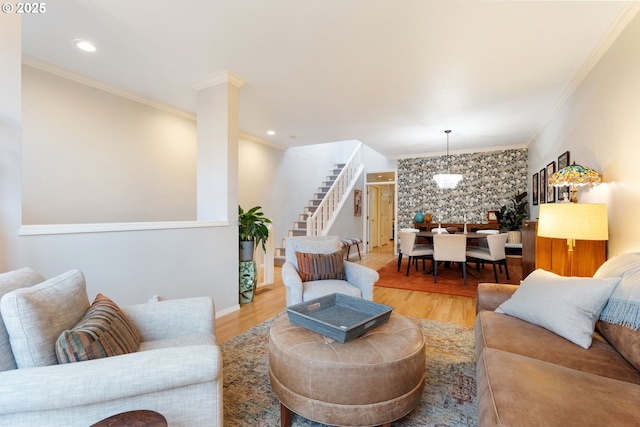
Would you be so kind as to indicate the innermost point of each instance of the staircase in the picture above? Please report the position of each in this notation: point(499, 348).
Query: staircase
point(300, 226)
point(320, 214)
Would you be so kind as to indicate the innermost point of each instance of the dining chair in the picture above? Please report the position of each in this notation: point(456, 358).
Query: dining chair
point(450, 247)
point(495, 254)
point(418, 245)
point(483, 242)
point(413, 251)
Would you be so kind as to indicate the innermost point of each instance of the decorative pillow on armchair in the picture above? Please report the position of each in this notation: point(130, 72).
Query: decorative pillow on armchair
point(320, 266)
point(103, 332)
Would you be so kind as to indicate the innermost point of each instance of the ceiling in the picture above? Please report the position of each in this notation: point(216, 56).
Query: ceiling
point(393, 74)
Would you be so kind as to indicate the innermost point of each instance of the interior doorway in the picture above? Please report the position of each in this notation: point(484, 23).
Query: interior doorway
point(381, 208)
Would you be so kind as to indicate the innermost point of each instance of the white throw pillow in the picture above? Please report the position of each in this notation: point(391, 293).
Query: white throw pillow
point(567, 306)
point(36, 316)
point(11, 281)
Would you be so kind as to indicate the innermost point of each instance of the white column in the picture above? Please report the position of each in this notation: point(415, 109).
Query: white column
point(218, 132)
point(10, 140)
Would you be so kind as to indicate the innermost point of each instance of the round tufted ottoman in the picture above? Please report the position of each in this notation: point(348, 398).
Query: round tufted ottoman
point(372, 380)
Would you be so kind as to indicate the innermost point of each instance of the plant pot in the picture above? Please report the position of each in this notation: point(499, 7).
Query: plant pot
point(514, 237)
point(247, 278)
point(246, 250)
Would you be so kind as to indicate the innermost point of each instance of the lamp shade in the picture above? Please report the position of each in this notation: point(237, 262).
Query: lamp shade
point(575, 175)
point(578, 221)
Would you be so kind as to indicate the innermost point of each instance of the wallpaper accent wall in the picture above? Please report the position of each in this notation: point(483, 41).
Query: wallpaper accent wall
point(490, 180)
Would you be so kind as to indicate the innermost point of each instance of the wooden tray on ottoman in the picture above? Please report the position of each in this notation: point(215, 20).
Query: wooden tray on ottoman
point(339, 317)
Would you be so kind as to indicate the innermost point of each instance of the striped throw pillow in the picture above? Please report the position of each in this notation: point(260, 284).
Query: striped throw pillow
point(320, 266)
point(103, 331)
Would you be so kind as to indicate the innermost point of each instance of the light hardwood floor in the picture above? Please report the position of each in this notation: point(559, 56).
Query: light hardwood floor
point(269, 300)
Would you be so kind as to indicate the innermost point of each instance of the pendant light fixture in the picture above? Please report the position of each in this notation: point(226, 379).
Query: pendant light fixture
point(447, 180)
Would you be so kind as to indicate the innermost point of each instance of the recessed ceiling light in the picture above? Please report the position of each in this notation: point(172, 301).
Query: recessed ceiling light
point(85, 45)
point(271, 132)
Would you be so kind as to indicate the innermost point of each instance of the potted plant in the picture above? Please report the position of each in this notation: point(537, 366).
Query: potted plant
point(511, 215)
point(253, 231)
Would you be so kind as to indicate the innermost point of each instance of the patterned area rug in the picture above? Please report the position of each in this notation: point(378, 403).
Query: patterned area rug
point(449, 397)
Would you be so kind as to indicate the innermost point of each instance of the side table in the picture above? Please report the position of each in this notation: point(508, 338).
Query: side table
point(141, 418)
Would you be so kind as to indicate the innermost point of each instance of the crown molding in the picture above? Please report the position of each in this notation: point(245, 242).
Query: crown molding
point(217, 79)
point(253, 138)
point(460, 151)
point(78, 78)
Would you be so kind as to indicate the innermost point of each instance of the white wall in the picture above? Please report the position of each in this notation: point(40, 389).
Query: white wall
point(94, 157)
point(130, 266)
point(258, 166)
point(599, 125)
point(299, 174)
point(346, 224)
point(283, 181)
point(376, 162)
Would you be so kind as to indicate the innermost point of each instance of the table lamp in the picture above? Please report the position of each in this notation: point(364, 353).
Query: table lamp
point(574, 176)
point(573, 221)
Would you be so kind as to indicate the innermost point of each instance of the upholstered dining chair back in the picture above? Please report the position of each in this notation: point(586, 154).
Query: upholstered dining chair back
point(482, 243)
point(407, 242)
point(449, 247)
point(496, 243)
point(494, 254)
point(405, 230)
point(409, 248)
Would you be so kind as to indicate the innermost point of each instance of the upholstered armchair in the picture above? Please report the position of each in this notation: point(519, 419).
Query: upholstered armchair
point(174, 366)
point(323, 255)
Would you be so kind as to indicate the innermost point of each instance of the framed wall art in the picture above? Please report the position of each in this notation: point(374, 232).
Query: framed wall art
point(535, 189)
point(551, 190)
point(357, 202)
point(563, 160)
point(543, 186)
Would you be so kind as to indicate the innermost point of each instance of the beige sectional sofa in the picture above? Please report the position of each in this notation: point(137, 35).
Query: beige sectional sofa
point(528, 375)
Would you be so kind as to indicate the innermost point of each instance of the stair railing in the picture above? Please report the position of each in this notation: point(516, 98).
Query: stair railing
point(319, 223)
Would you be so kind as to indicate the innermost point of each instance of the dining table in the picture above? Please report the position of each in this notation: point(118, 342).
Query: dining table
point(473, 236)
point(469, 235)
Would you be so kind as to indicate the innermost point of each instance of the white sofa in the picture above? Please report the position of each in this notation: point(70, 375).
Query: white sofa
point(176, 371)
